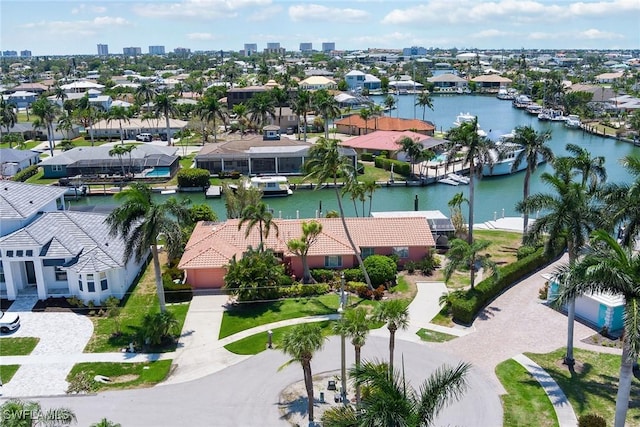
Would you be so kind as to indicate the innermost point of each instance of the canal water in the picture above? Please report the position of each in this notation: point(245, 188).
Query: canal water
point(495, 196)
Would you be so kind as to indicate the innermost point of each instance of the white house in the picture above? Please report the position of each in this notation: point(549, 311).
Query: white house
point(13, 161)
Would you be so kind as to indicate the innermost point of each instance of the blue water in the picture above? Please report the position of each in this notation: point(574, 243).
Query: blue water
point(495, 196)
point(158, 173)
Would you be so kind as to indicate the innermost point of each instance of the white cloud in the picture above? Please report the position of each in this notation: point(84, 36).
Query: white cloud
point(91, 9)
point(490, 34)
point(316, 12)
point(78, 28)
point(390, 39)
point(265, 14)
point(201, 36)
point(197, 9)
point(594, 34)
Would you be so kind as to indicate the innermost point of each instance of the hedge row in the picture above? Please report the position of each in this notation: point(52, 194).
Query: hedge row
point(465, 306)
point(25, 173)
point(193, 177)
point(401, 168)
point(176, 292)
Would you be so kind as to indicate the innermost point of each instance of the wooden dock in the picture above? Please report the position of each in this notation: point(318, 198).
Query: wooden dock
point(214, 192)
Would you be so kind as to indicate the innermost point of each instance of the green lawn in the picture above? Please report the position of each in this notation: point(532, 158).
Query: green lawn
point(124, 375)
point(526, 403)
point(7, 372)
point(504, 244)
point(434, 336)
point(593, 387)
point(28, 146)
point(20, 346)
point(258, 342)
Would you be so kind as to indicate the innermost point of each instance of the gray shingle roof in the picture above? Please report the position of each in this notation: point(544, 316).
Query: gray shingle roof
point(102, 153)
point(21, 201)
point(9, 155)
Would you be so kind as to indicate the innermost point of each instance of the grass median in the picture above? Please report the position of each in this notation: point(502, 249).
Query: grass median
point(18, 346)
point(122, 375)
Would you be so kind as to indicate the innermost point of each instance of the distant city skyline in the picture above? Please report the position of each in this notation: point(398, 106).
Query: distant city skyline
point(67, 27)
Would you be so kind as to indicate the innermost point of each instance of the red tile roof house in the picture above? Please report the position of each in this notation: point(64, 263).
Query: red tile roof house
point(213, 244)
point(388, 141)
point(355, 125)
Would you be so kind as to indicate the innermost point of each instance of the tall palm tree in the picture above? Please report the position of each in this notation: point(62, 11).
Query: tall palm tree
point(121, 114)
point(119, 151)
point(414, 150)
point(301, 342)
point(325, 104)
point(60, 94)
point(354, 325)
point(535, 148)
point(209, 109)
point(145, 93)
point(571, 214)
point(325, 163)
point(462, 254)
point(396, 315)
point(356, 193)
point(389, 103)
point(455, 205)
point(240, 110)
point(65, 124)
point(165, 105)
point(370, 187)
point(365, 114)
point(622, 202)
point(424, 100)
point(610, 268)
point(261, 108)
point(310, 232)
point(391, 402)
point(86, 114)
point(8, 117)
point(140, 221)
point(281, 98)
point(301, 106)
point(258, 214)
point(47, 112)
point(592, 168)
point(477, 151)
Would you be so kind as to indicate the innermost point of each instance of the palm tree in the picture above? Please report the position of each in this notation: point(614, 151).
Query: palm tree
point(389, 103)
point(165, 105)
point(240, 110)
point(86, 114)
point(301, 342)
point(365, 114)
point(610, 268)
point(106, 423)
point(356, 192)
point(140, 221)
point(414, 150)
point(592, 168)
point(571, 216)
point(8, 117)
point(261, 107)
point(60, 94)
point(391, 402)
point(310, 232)
point(424, 100)
point(119, 151)
point(396, 315)
point(210, 108)
point(354, 325)
point(325, 163)
point(462, 254)
point(258, 214)
point(301, 106)
point(121, 114)
point(455, 205)
point(535, 148)
point(145, 93)
point(622, 202)
point(370, 187)
point(477, 152)
point(65, 124)
point(280, 97)
point(47, 113)
point(325, 104)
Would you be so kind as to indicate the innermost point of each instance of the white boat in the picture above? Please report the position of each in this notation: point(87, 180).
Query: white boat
point(272, 186)
point(459, 178)
point(76, 191)
point(448, 181)
point(521, 101)
point(573, 121)
point(534, 109)
point(468, 118)
point(502, 165)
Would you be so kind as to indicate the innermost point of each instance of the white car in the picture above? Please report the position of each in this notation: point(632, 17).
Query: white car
point(9, 322)
point(144, 137)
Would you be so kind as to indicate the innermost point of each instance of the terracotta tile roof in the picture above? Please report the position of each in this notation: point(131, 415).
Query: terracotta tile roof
point(212, 244)
point(383, 140)
point(386, 123)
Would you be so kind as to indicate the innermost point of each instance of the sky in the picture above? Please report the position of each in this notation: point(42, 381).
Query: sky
point(67, 27)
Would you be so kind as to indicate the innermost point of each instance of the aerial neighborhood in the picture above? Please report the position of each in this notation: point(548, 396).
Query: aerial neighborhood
point(436, 236)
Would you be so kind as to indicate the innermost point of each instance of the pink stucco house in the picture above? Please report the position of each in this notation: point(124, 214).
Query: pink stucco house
point(213, 244)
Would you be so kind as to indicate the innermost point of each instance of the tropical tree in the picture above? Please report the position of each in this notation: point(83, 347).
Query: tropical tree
point(325, 104)
point(325, 163)
point(535, 149)
point(258, 214)
point(261, 107)
point(106, 423)
point(457, 219)
point(356, 192)
point(256, 276)
point(240, 111)
point(60, 95)
point(118, 151)
point(301, 342)
point(609, 267)
point(389, 103)
point(414, 150)
point(424, 100)
point(396, 315)
point(238, 199)
point(477, 152)
point(8, 117)
point(370, 187)
point(157, 327)
point(140, 221)
point(23, 413)
point(621, 202)
point(301, 105)
point(65, 124)
point(571, 214)
point(47, 114)
point(365, 114)
point(121, 114)
point(300, 247)
point(280, 98)
point(591, 168)
point(463, 254)
point(165, 105)
point(145, 93)
point(391, 402)
point(209, 109)
point(86, 114)
point(354, 325)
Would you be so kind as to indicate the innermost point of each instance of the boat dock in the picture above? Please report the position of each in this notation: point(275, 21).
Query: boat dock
point(214, 192)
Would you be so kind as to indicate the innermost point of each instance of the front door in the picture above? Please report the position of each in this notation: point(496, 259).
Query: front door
point(31, 272)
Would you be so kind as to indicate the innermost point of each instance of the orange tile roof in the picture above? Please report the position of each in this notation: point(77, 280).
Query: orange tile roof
point(383, 140)
point(212, 244)
point(386, 123)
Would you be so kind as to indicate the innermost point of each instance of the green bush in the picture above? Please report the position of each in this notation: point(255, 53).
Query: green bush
point(176, 292)
point(465, 306)
point(366, 157)
point(323, 274)
point(300, 290)
point(194, 177)
point(25, 173)
point(401, 168)
point(360, 289)
point(525, 251)
point(591, 420)
point(429, 263)
point(381, 269)
point(353, 275)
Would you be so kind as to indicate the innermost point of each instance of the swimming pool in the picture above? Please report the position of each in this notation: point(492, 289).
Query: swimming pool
point(158, 173)
point(440, 158)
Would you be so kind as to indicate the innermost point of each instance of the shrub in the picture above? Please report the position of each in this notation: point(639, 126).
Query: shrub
point(381, 269)
point(591, 420)
point(353, 275)
point(360, 289)
point(429, 263)
point(525, 251)
point(194, 177)
point(25, 173)
point(177, 292)
point(401, 168)
point(323, 274)
point(300, 290)
point(74, 301)
point(410, 266)
point(378, 293)
point(366, 157)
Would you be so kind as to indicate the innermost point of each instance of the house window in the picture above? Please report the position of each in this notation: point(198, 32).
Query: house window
point(401, 251)
point(365, 252)
point(56, 168)
point(61, 275)
point(2, 279)
point(91, 285)
point(80, 283)
point(333, 261)
point(19, 253)
point(10, 254)
point(104, 285)
point(29, 252)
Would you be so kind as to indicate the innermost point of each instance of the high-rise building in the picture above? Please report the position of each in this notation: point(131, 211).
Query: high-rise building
point(182, 51)
point(103, 49)
point(328, 47)
point(131, 51)
point(274, 48)
point(306, 47)
point(25, 54)
point(156, 50)
point(250, 49)
point(414, 51)
point(9, 53)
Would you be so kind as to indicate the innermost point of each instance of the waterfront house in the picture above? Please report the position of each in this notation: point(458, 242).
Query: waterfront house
point(317, 83)
point(21, 99)
point(357, 80)
point(388, 141)
point(13, 161)
point(355, 125)
point(491, 83)
point(213, 244)
point(448, 82)
point(133, 127)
